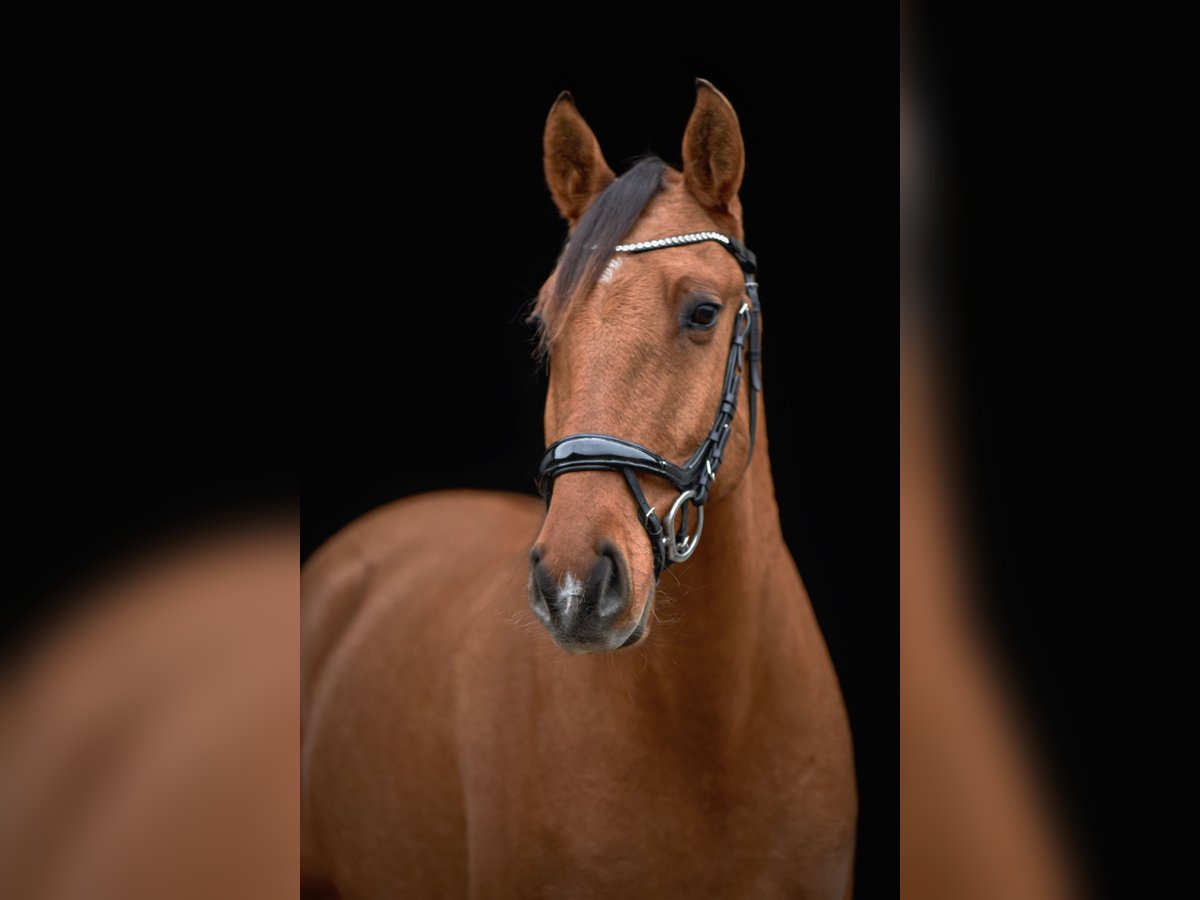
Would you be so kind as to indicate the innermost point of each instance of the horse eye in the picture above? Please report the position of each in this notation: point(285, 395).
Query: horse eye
point(704, 315)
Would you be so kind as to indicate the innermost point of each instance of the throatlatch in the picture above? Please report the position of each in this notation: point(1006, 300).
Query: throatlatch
point(592, 452)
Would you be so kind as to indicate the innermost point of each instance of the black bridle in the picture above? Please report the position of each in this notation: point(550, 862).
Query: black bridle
point(590, 452)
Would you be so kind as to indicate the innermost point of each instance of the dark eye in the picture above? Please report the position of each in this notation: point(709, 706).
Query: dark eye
point(703, 315)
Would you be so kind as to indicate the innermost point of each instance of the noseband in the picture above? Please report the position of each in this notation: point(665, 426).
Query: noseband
point(592, 452)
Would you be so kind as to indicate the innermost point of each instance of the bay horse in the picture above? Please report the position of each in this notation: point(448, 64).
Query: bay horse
point(686, 739)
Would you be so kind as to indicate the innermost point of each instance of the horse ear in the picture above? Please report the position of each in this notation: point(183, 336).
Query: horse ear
point(575, 167)
point(713, 156)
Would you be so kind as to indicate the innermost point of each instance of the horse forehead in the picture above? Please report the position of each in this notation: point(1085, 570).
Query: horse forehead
point(672, 211)
point(625, 284)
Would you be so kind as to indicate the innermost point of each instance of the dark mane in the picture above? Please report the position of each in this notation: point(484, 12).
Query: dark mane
point(600, 229)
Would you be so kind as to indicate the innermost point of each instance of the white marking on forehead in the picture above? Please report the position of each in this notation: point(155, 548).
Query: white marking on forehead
point(570, 592)
point(610, 270)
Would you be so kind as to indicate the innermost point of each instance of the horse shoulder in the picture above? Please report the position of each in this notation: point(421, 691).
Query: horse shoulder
point(389, 604)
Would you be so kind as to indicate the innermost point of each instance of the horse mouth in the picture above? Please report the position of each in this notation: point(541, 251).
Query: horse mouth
point(639, 630)
point(591, 640)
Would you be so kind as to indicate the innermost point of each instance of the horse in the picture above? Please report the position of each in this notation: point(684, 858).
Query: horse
point(499, 697)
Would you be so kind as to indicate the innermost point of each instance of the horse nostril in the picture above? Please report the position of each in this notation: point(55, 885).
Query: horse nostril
point(616, 581)
point(608, 583)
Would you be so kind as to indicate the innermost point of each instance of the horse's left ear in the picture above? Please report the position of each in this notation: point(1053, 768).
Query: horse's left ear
point(713, 156)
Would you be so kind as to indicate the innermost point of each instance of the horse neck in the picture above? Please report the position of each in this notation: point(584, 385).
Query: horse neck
point(730, 615)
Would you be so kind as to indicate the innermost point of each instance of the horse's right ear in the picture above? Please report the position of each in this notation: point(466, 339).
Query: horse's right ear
point(575, 167)
point(713, 157)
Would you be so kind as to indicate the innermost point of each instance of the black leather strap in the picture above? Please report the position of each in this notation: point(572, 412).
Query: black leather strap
point(651, 522)
point(749, 263)
point(582, 452)
point(592, 452)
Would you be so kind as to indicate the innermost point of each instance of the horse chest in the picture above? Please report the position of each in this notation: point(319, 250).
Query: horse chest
point(601, 811)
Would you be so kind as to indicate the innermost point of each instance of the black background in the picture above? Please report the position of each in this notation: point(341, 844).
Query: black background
point(1058, 172)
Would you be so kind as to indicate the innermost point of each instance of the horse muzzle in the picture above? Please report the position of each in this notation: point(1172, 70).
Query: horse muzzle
point(586, 612)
